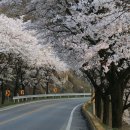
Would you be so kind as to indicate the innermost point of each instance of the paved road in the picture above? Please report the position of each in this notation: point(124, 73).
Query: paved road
point(61, 114)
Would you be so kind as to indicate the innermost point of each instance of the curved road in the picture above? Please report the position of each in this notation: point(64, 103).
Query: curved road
point(61, 114)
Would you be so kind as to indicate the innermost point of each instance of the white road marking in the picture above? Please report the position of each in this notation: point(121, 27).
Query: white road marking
point(71, 117)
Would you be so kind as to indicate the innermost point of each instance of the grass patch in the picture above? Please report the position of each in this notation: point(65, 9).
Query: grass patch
point(7, 103)
point(11, 102)
point(90, 108)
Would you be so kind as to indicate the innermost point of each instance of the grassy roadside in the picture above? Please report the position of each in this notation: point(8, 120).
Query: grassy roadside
point(7, 103)
point(11, 102)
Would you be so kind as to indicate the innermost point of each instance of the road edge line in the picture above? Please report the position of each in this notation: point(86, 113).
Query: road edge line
point(71, 117)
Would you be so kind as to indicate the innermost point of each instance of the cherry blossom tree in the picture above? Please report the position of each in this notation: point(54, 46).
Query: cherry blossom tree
point(22, 50)
point(77, 31)
point(83, 28)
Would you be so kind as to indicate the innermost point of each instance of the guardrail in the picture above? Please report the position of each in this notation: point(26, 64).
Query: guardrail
point(64, 95)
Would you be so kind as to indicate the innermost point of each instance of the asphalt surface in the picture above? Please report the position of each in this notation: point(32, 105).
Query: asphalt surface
point(64, 114)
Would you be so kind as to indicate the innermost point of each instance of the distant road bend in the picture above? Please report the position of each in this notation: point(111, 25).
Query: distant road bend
point(61, 114)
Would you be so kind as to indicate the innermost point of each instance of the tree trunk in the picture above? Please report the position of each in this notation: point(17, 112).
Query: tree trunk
point(3, 98)
point(106, 110)
point(117, 107)
point(3, 95)
point(16, 86)
point(98, 104)
point(116, 90)
point(34, 90)
point(47, 88)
